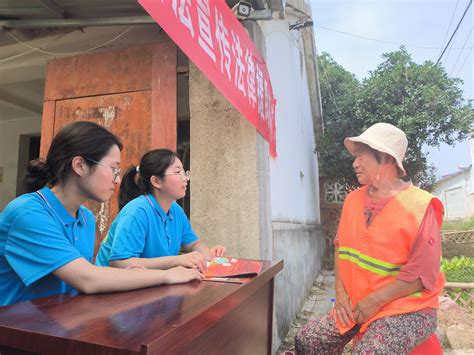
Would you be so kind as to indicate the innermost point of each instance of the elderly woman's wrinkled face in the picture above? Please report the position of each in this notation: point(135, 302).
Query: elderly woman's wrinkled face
point(365, 164)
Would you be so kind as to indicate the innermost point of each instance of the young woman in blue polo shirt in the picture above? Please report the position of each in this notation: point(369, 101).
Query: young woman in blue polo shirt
point(151, 227)
point(47, 236)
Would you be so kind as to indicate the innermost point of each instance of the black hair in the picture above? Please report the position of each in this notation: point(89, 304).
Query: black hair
point(81, 138)
point(155, 162)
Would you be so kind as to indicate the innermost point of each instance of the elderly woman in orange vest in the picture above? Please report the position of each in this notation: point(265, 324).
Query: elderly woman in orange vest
point(387, 257)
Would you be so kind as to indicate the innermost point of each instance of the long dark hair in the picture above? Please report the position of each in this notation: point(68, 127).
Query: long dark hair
point(81, 138)
point(155, 162)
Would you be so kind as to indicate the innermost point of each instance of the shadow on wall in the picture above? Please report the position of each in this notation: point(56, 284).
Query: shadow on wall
point(302, 247)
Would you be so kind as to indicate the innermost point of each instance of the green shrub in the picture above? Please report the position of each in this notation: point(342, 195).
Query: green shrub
point(458, 269)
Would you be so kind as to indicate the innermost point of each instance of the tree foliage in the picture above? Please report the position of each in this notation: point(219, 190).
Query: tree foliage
point(420, 99)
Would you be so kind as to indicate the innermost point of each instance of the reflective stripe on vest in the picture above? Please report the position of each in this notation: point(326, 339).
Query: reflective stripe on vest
point(374, 265)
point(367, 262)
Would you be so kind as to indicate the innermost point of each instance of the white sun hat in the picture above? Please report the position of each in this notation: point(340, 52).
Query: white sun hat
point(385, 138)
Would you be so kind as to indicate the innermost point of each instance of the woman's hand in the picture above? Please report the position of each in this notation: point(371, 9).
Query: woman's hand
point(192, 260)
point(366, 309)
point(217, 250)
point(181, 274)
point(343, 307)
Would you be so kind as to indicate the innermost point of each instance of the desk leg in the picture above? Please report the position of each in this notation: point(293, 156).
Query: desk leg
point(271, 298)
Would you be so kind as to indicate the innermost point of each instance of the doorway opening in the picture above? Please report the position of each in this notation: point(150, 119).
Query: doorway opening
point(183, 128)
point(29, 149)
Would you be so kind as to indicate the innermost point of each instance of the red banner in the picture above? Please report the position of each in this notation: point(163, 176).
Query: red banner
point(212, 37)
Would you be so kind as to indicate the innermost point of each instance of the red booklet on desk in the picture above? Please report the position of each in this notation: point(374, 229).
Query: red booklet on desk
point(232, 270)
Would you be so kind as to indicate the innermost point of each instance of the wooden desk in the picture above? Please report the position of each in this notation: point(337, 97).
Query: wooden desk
point(194, 318)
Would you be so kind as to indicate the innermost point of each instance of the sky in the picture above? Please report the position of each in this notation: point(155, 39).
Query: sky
point(413, 23)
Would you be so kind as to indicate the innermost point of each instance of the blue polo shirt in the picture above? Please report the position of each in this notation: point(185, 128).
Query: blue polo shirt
point(38, 236)
point(143, 230)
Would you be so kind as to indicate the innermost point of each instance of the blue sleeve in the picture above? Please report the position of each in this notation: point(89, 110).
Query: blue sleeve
point(130, 235)
point(189, 236)
point(36, 246)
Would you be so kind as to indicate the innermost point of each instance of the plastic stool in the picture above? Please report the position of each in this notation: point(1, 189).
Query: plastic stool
point(430, 346)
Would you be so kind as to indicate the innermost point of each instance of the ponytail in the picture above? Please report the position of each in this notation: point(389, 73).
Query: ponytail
point(131, 187)
point(136, 180)
point(37, 176)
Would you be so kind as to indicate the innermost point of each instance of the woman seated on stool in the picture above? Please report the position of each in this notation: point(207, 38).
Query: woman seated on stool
point(387, 257)
point(151, 227)
point(47, 237)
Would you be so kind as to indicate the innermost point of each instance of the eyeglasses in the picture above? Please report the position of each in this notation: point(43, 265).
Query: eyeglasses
point(185, 175)
point(116, 171)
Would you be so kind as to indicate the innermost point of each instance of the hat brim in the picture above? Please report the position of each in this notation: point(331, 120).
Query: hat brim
point(350, 145)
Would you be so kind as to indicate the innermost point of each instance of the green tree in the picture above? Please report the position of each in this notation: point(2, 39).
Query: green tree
point(420, 99)
point(339, 94)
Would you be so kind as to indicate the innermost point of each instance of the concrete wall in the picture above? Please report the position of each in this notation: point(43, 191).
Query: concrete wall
point(10, 132)
point(261, 208)
point(470, 185)
point(297, 236)
point(294, 173)
point(470, 204)
point(461, 180)
point(470, 188)
point(301, 246)
point(465, 180)
point(224, 183)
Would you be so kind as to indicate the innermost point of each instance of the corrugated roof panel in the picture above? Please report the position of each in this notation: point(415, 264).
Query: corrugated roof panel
point(46, 9)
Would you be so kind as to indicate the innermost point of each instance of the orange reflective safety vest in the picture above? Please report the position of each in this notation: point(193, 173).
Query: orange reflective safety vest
point(371, 257)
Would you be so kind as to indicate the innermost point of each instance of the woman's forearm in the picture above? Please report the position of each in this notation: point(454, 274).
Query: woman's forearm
point(90, 279)
point(164, 262)
point(395, 290)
